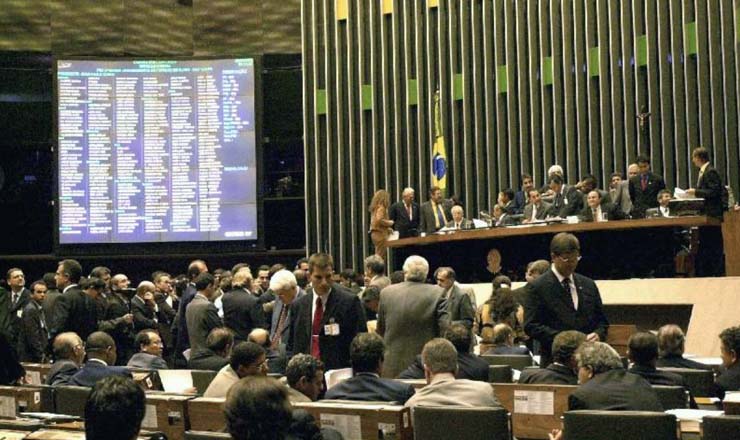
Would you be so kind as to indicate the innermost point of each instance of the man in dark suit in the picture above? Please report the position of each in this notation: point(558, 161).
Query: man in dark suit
point(285, 285)
point(597, 211)
point(202, 316)
point(664, 197)
point(605, 385)
point(671, 343)
point(459, 307)
point(470, 366)
point(216, 353)
point(19, 298)
point(563, 300)
point(503, 341)
point(366, 355)
point(506, 200)
point(643, 353)
point(729, 378)
point(144, 308)
point(501, 217)
point(101, 355)
point(405, 215)
point(242, 310)
point(69, 354)
point(709, 187)
point(182, 342)
point(566, 199)
point(521, 198)
point(562, 371)
point(115, 318)
point(167, 304)
point(149, 356)
point(52, 293)
point(644, 188)
point(433, 215)
point(75, 310)
point(34, 337)
point(327, 318)
point(536, 209)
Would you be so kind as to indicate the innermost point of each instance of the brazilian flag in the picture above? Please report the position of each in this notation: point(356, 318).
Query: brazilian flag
point(439, 153)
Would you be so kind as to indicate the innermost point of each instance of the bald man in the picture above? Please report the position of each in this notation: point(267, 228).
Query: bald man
point(144, 308)
point(277, 360)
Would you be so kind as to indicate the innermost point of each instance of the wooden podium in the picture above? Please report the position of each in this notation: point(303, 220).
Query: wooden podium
point(731, 242)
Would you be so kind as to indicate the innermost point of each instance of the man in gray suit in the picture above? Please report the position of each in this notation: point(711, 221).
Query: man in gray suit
point(459, 308)
point(410, 314)
point(434, 214)
point(375, 272)
point(285, 286)
point(619, 192)
point(201, 316)
point(536, 209)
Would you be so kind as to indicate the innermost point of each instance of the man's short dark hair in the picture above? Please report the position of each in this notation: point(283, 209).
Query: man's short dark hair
point(663, 191)
point(701, 153)
point(526, 176)
point(33, 285)
point(509, 193)
point(238, 266)
point(565, 345)
point(302, 365)
point(98, 342)
point(194, 268)
point(274, 268)
point(371, 293)
point(564, 243)
point(451, 275)
point(539, 267)
point(203, 280)
point(158, 275)
point(50, 281)
point(397, 277)
point(433, 190)
point(375, 264)
point(245, 353)
point(92, 283)
point(257, 408)
point(643, 159)
point(301, 261)
point(643, 347)
point(144, 337)
point(263, 267)
point(99, 272)
point(366, 352)
point(730, 338)
point(671, 340)
point(617, 174)
point(114, 410)
point(73, 270)
point(320, 260)
point(460, 337)
point(555, 179)
point(219, 338)
point(348, 274)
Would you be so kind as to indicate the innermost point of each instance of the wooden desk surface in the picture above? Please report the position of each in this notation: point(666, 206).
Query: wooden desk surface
point(478, 234)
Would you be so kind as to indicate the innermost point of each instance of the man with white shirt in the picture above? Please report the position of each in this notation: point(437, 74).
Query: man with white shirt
point(536, 209)
point(596, 211)
point(19, 298)
point(664, 198)
point(101, 358)
point(144, 308)
point(561, 299)
point(458, 219)
point(75, 311)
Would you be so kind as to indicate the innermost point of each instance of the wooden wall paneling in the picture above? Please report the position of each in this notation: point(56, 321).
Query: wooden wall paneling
point(445, 74)
point(339, 150)
point(330, 147)
point(718, 147)
point(616, 72)
point(641, 78)
point(377, 82)
point(309, 114)
point(538, 124)
point(432, 69)
point(451, 108)
point(319, 125)
point(679, 95)
point(387, 147)
point(665, 61)
point(704, 77)
point(653, 87)
point(422, 109)
point(406, 12)
point(502, 135)
point(593, 82)
point(364, 67)
point(489, 88)
point(354, 113)
point(523, 99)
point(554, 99)
point(565, 155)
point(480, 152)
point(692, 95)
point(578, 161)
point(512, 97)
point(606, 60)
point(399, 156)
point(629, 67)
point(466, 149)
point(730, 76)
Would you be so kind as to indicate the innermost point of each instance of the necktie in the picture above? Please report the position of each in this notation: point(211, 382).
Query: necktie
point(643, 182)
point(594, 214)
point(573, 297)
point(13, 300)
point(410, 211)
point(280, 326)
point(318, 315)
point(440, 217)
point(698, 180)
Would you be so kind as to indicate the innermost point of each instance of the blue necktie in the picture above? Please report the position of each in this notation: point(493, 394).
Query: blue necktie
point(440, 216)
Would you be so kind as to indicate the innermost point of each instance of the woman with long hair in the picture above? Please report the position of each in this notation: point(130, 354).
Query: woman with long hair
point(380, 224)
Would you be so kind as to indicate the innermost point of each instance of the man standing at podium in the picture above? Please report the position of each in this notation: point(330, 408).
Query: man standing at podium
point(708, 187)
point(561, 299)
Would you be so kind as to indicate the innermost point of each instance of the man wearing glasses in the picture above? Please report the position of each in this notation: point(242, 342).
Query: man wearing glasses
point(561, 299)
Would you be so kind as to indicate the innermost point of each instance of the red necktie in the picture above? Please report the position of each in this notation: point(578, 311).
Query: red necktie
point(318, 315)
point(643, 182)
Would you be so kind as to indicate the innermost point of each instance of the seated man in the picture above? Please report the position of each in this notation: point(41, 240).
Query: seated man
point(149, 356)
point(304, 376)
point(366, 356)
point(276, 358)
point(503, 341)
point(664, 198)
point(643, 353)
point(470, 366)
point(597, 211)
point(440, 367)
point(216, 353)
point(562, 370)
point(101, 356)
point(114, 410)
point(605, 385)
point(69, 352)
point(458, 219)
point(247, 359)
point(729, 378)
point(536, 209)
point(671, 343)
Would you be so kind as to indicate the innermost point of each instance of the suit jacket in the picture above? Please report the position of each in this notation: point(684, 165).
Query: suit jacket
point(615, 390)
point(220, 384)
point(406, 227)
point(144, 316)
point(620, 196)
point(182, 342)
point(520, 202)
point(409, 315)
point(201, 317)
point(554, 374)
point(242, 313)
point(658, 377)
point(110, 320)
point(146, 361)
point(16, 311)
point(469, 366)
point(380, 281)
point(343, 308)
point(464, 224)
point(445, 391)
point(427, 217)
point(48, 305)
point(370, 387)
point(709, 187)
point(506, 219)
point(644, 199)
point(568, 202)
point(276, 310)
point(74, 311)
point(548, 310)
point(611, 211)
point(459, 308)
point(206, 359)
point(167, 316)
point(505, 349)
point(94, 371)
point(542, 211)
point(34, 336)
point(61, 372)
point(678, 361)
point(728, 380)
point(654, 212)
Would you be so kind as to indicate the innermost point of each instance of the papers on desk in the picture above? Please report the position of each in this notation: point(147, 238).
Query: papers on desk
point(176, 381)
point(333, 377)
point(690, 419)
point(678, 193)
point(50, 417)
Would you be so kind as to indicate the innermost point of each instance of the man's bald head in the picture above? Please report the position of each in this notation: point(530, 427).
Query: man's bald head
point(69, 346)
point(260, 337)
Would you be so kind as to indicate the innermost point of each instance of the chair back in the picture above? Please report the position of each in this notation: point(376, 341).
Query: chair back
point(206, 435)
point(202, 378)
point(699, 382)
point(499, 374)
point(672, 397)
point(619, 425)
point(436, 423)
point(71, 400)
point(720, 427)
point(515, 361)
